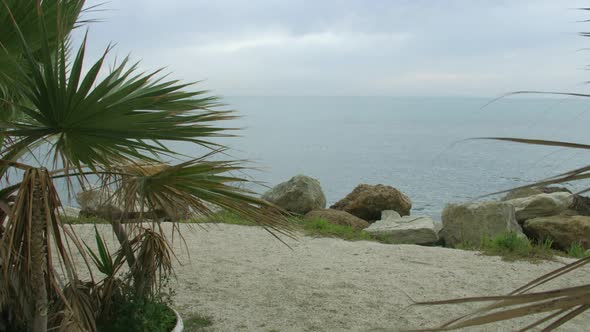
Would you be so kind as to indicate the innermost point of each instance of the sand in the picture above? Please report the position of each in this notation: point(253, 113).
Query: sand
point(245, 280)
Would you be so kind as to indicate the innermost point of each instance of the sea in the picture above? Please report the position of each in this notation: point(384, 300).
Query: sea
point(427, 147)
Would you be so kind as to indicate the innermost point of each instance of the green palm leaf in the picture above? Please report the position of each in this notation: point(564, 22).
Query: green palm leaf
point(122, 117)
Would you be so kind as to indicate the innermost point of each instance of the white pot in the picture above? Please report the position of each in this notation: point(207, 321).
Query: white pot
point(179, 325)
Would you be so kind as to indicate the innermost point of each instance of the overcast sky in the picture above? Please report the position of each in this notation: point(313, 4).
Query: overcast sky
point(346, 47)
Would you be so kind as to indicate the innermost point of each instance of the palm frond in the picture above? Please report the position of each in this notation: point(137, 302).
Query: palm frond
point(570, 145)
point(122, 117)
point(81, 310)
point(61, 17)
point(564, 304)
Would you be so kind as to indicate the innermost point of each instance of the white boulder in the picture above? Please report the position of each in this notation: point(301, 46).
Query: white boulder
point(405, 230)
point(470, 222)
point(541, 205)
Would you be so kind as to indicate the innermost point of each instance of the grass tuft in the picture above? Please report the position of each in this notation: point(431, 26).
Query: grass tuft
point(577, 251)
point(83, 220)
point(312, 227)
point(512, 246)
point(223, 217)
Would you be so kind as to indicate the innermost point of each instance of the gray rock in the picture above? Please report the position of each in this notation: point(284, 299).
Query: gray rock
point(526, 192)
point(101, 204)
point(300, 194)
point(470, 222)
point(405, 230)
point(541, 205)
point(562, 230)
point(69, 211)
point(98, 203)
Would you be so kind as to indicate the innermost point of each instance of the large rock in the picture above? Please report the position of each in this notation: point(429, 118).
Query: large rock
point(69, 212)
point(98, 203)
point(405, 230)
point(563, 230)
point(300, 194)
point(470, 222)
point(338, 217)
point(541, 205)
point(367, 201)
point(526, 192)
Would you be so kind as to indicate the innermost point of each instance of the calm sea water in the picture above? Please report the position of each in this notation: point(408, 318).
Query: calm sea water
point(421, 146)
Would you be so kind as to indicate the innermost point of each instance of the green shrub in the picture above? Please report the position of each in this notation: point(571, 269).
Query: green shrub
point(508, 243)
point(141, 315)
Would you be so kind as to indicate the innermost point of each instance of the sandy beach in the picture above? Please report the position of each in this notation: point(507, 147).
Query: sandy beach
point(245, 280)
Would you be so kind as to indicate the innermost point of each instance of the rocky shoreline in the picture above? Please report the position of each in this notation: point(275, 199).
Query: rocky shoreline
point(539, 214)
point(547, 213)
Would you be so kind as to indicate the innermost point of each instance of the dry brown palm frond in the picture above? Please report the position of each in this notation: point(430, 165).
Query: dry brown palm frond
point(81, 309)
point(153, 261)
point(562, 304)
point(27, 247)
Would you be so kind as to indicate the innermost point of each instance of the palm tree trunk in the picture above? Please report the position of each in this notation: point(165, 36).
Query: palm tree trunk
point(123, 238)
point(38, 259)
point(139, 279)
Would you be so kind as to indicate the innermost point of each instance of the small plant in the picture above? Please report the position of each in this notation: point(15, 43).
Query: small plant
point(512, 246)
point(510, 243)
point(138, 314)
point(121, 306)
point(103, 259)
point(576, 250)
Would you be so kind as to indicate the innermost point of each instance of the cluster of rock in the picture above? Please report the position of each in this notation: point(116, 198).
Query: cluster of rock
point(541, 214)
point(383, 211)
point(380, 210)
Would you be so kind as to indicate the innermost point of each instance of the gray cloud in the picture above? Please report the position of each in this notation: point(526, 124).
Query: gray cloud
point(330, 47)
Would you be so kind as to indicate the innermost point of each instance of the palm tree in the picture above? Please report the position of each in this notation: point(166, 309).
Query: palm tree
point(118, 128)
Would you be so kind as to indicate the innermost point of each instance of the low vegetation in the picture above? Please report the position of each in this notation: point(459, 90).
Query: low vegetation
point(322, 228)
point(512, 246)
point(312, 227)
point(139, 315)
point(83, 220)
point(509, 246)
